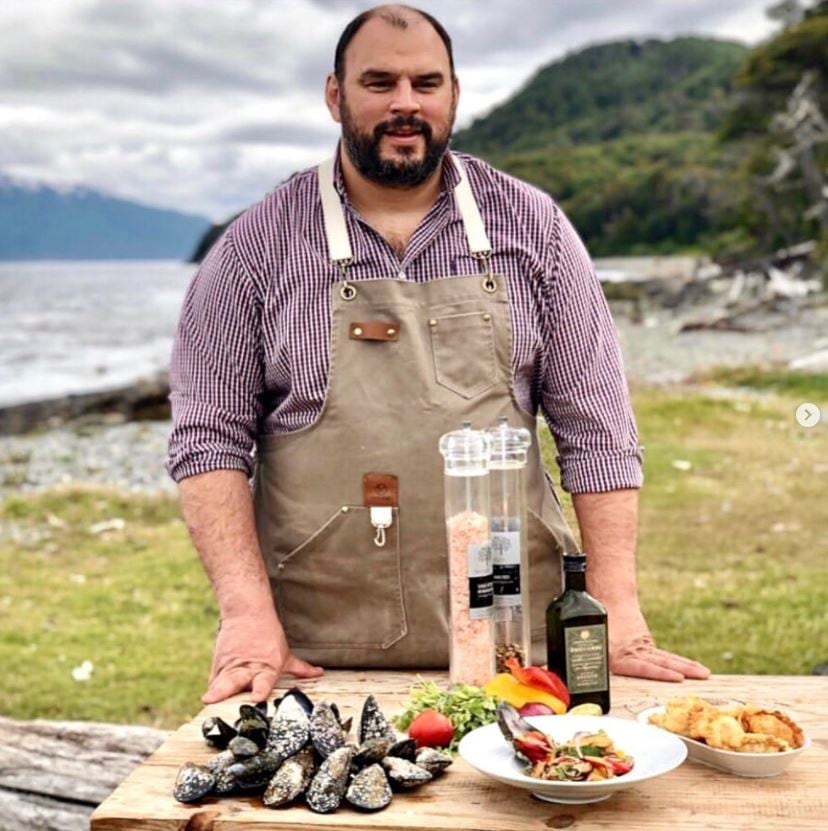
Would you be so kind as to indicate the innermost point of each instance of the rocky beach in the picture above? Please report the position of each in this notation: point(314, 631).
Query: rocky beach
point(112, 451)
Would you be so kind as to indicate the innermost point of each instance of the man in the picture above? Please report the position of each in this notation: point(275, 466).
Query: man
point(343, 324)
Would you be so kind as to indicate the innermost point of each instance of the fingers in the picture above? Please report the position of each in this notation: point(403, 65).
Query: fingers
point(228, 682)
point(263, 684)
point(688, 668)
point(659, 665)
point(641, 667)
point(301, 669)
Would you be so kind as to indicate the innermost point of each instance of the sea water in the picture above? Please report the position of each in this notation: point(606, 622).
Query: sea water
point(78, 326)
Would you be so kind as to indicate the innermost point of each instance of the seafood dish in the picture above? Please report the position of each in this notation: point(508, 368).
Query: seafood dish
point(303, 752)
point(586, 757)
point(511, 751)
point(743, 728)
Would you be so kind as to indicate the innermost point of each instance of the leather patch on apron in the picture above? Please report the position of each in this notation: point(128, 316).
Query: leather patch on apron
point(379, 490)
point(374, 330)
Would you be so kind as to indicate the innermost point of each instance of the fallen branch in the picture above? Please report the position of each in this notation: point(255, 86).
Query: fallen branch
point(53, 774)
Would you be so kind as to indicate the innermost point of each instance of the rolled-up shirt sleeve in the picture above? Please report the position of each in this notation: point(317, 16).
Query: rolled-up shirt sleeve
point(584, 395)
point(216, 375)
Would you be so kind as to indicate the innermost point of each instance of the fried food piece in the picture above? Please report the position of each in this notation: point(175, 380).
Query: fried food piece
point(681, 715)
point(761, 743)
point(721, 731)
point(743, 728)
point(771, 723)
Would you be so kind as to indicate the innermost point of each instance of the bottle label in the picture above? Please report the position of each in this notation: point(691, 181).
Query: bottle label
point(481, 589)
point(586, 658)
point(506, 567)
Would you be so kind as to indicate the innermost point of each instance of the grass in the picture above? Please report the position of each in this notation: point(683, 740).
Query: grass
point(733, 566)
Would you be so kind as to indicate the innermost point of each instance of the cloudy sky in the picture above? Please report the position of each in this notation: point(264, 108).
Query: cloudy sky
point(204, 106)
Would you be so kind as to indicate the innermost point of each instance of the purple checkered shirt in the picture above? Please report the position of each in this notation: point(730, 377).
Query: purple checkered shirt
point(251, 353)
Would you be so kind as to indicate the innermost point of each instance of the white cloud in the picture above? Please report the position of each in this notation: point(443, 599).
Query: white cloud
point(206, 107)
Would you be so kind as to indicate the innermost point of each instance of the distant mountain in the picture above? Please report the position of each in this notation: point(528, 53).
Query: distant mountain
point(613, 90)
point(39, 222)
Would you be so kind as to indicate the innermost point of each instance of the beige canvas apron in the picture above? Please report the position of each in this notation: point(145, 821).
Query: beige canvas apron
point(343, 599)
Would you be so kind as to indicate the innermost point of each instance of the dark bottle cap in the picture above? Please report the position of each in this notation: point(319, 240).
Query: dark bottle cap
point(574, 562)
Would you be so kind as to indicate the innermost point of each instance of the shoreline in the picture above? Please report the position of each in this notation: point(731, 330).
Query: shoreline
point(125, 447)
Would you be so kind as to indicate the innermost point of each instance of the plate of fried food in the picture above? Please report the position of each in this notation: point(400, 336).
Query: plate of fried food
point(733, 736)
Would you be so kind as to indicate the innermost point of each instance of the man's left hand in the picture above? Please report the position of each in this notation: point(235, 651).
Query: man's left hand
point(633, 652)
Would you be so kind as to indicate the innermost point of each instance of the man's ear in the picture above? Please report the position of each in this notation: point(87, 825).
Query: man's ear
point(332, 97)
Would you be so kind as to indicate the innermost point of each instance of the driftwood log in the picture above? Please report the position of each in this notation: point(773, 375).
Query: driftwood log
point(144, 399)
point(54, 773)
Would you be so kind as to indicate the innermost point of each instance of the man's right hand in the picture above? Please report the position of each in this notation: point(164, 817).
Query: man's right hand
point(251, 654)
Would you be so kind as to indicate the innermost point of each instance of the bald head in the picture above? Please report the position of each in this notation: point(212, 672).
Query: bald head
point(398, 17)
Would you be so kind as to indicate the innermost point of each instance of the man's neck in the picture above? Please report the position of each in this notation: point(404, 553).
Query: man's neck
point(368, 197)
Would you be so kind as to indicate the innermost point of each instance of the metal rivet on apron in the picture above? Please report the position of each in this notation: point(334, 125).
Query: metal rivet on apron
point(487, 317)
point(344, 509)
point(347, 291)
point(489, 284)
point(432, 322)
point(391, 331)
point(358, 332)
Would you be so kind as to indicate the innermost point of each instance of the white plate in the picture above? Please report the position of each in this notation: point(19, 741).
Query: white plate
point(754, 765)
point(654, 753)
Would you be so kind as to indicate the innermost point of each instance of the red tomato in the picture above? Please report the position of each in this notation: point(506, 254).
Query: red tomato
point(431, 729)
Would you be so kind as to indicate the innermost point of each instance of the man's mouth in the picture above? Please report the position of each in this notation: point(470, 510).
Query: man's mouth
point(404, 133)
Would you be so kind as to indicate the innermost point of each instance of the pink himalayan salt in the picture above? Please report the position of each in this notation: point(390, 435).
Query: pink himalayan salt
point(471, 642)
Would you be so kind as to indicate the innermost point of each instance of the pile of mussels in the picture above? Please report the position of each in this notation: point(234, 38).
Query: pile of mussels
point(303, 749)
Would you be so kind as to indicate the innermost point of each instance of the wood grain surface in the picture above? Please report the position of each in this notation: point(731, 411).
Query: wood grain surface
point(691, 797)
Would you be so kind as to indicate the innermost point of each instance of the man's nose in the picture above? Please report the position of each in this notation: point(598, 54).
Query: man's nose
point(405, 98)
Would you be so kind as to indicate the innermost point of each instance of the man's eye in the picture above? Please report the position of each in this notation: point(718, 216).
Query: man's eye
point(378, 85)
point(427, 85)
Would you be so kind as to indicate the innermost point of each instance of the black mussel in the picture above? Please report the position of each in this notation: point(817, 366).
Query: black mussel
point(219, 766)
point(372, 722)
point(252, 725)
point(289, 728)
point(325, 730)
point(217, 732)
point(404, 749)
point(291, 779)
point(255, 771)
point(511, 723)
point(405, 774)
point(372, 751)
point(328, 786)
point(193, 782)
point(243, 748)
point(369, 789)
point(301, 698)
point(432, 760)
point(261, 706)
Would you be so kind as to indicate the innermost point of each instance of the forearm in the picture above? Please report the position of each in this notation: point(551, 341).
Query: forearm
point(609, 530)
point(218, 509)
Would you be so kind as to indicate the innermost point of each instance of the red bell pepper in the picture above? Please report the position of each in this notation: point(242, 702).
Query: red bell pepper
point(540, 679)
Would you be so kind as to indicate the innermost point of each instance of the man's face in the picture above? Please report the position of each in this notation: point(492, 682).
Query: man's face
point(397, 102)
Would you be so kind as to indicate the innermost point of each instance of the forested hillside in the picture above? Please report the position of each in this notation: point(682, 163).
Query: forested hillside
point(660, 147)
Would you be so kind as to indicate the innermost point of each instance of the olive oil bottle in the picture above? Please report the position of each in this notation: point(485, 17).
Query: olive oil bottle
point(576, 638)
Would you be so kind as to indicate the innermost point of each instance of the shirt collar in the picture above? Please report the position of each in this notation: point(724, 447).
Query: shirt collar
point(449, 178)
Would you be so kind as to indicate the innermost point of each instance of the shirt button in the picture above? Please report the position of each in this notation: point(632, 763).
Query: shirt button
point(402, 276)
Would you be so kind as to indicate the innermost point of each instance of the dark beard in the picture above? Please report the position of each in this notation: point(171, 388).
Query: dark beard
point(363, 150)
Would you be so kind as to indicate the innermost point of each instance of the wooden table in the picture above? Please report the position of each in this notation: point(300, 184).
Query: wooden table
point(690, 797)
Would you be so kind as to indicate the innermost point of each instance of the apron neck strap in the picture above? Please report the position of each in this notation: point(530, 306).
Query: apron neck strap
point(336, 231)
point(339, 246)
point(479, 244)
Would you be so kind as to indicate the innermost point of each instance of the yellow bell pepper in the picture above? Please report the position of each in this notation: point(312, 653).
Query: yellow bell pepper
point(505, 687)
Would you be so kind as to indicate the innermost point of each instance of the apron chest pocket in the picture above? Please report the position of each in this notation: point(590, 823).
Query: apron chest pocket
point(339, 588)
point(464, 352)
